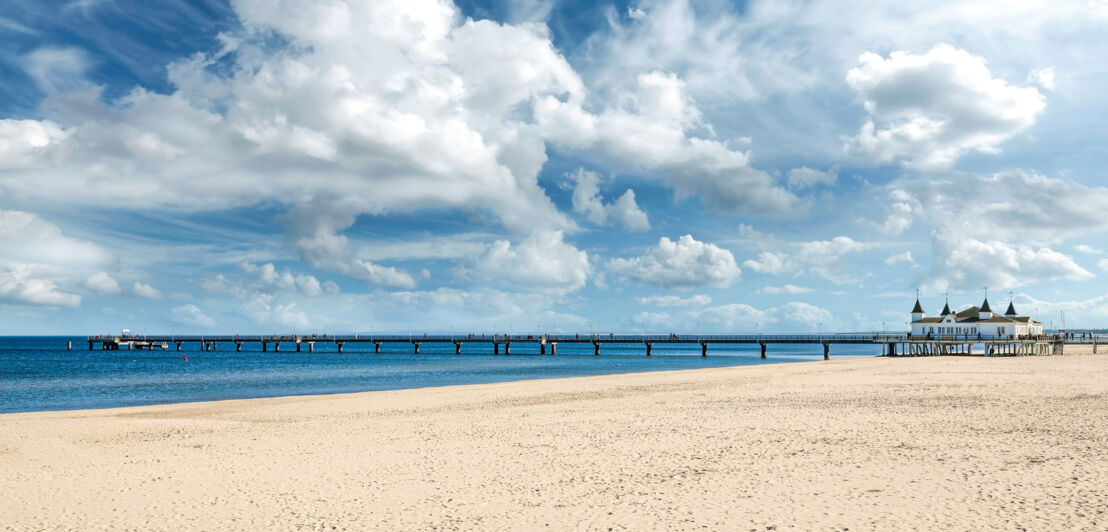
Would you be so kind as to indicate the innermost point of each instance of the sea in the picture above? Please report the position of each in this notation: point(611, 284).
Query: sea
point(38, 373)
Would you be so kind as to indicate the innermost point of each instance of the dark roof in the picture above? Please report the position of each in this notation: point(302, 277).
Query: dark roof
point(917, 308)
point(985, 306)
point(929, 320)
point(1011, 309)
point(946, 310)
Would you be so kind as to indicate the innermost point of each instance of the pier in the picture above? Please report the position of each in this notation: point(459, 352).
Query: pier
point(892, 344)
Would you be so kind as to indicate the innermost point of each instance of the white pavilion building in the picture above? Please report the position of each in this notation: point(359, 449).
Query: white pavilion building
point(974, 322)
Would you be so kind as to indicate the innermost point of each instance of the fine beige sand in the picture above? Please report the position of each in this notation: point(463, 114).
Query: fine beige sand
point(946, 443)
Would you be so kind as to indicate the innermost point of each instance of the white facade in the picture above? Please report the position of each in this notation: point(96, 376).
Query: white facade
point(974, 322)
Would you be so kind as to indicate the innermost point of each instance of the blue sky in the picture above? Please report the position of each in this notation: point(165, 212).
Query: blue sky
point(346, 165)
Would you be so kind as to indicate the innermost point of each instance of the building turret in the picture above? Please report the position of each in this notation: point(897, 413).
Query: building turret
point(917, 311)
point(946, 311)
point(1011, 310)
point(985, 312)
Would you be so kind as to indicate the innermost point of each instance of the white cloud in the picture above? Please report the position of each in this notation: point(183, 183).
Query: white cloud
point(899, 219)
point(804, 177)
point(56, 69)
point(1003, 229)
point(968, 264)
point(432, 121)
point(102, 283)
point(823, 258)
point(1087, 249)
point(191, 315)
point(900, 258)
point(1043, 77)
point(745, 318)
point(23, 283)
point(931, 109)
point(1103, 264)
point(675, 301)
point(587, 201)
point(542, 261)
point(39, 265)
point(786, 289)
point(146, 291)
point(314, 234)
point(26, 237)
point(647, 130)
point(686, 263)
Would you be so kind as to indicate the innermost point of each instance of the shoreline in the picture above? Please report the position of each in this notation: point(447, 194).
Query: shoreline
point(518, 363)
point(870, 442)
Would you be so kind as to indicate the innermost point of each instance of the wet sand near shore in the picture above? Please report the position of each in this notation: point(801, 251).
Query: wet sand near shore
point(952, 443)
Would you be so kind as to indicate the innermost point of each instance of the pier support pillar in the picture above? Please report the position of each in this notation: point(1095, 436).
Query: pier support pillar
point(90, 346)
point(415, 347)
point(238, 347)
point(311, 347)
point(265, 347)
point(542, 348)
point(495, 348)
point(297, 347)
point(763, 350)
point(553, 349)
point(507, 348)
point(178, 345)
point(277, 346)
point(827, 351)
point(596, 348)
point(213, 346)
point(457, 348)
point(339, 344)
point(69, 345)
point(377, 347)
point(704, 349)
point(648, 348)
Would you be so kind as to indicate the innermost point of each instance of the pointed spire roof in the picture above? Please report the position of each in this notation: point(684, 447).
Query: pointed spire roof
point(1011, 309)
point(918, 308)
point(946, 310)
point(985, 306)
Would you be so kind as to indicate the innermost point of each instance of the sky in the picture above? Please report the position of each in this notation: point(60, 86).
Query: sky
point(336, 166)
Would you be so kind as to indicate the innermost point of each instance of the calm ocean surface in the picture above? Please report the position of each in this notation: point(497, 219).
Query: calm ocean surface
point(39, 374)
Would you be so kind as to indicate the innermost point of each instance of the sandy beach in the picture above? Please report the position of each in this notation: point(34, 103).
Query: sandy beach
point(959, 443)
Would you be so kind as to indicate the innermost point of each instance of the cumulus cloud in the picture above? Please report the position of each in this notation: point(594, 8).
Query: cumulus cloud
point(191, 315)
point(33, 284)
point(648, 131)
point(823, 258)
point(146, 291)
point(587, 201)
point(686, 263)
point(103, 284)
point(698, 300)
point(542, 261)
point(430, 121)
point(1043, 77)
point(969, 263)
point(314, 232)
point(900, 258)
point(1001, 229)
point(931, 109)
point(39, 265)
point(742, 317)
point(804, 177)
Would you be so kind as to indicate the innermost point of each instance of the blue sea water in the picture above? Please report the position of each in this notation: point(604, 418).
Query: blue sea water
point(38, 373)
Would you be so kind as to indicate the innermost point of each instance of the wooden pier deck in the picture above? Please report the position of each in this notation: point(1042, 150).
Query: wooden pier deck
point(892, 344)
